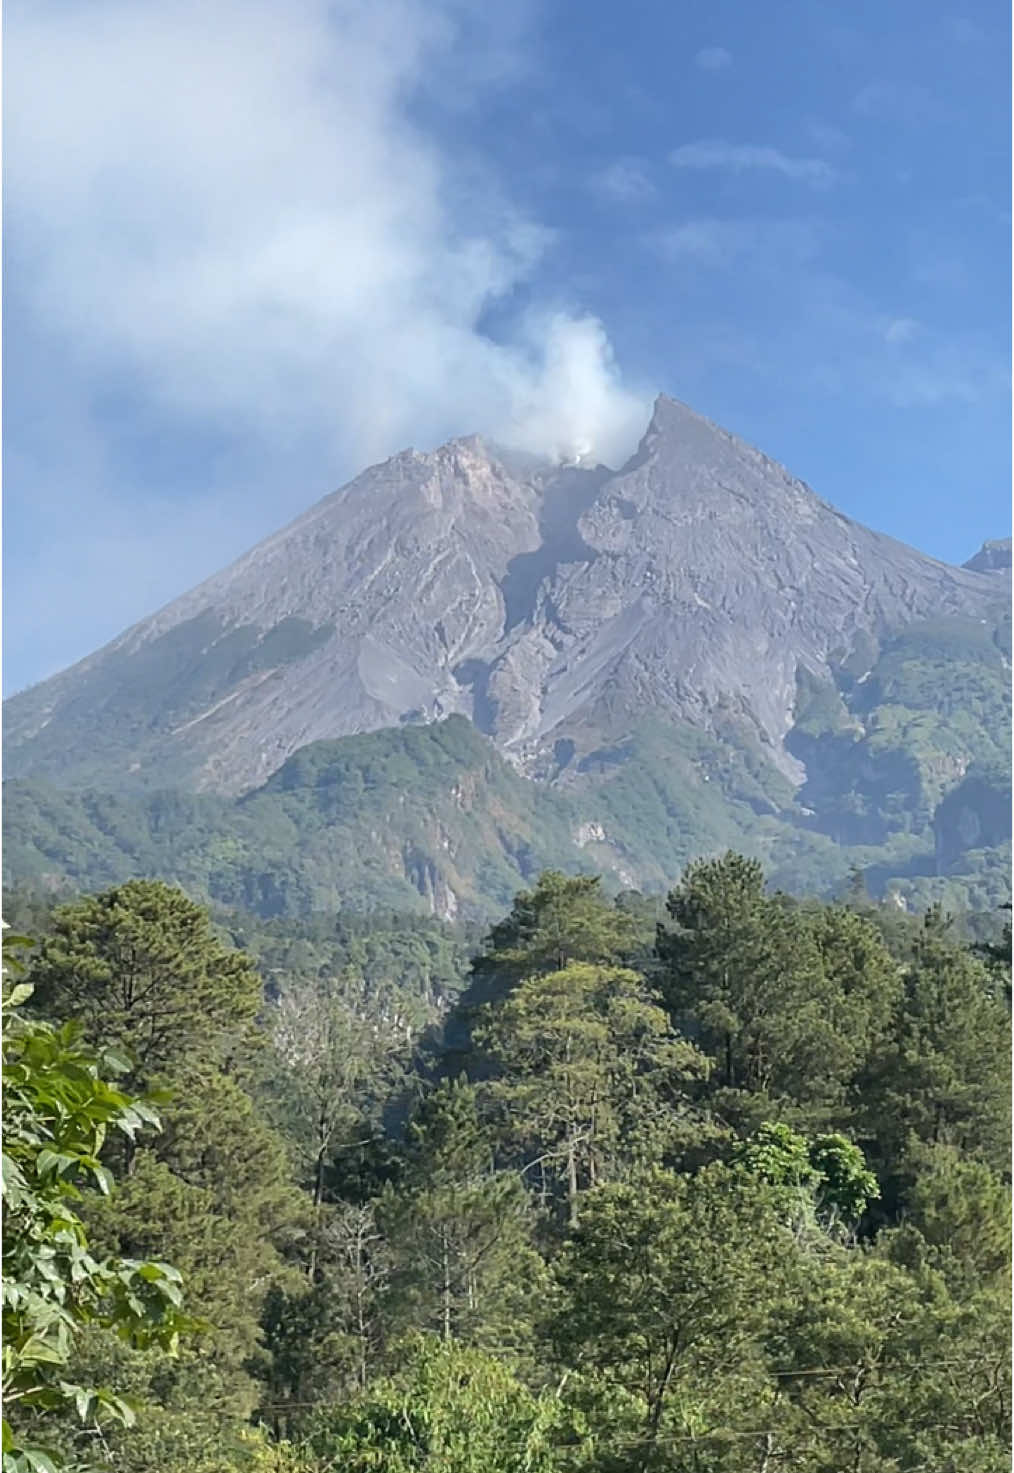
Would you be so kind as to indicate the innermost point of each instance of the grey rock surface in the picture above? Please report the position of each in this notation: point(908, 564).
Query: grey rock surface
point(992, 557)
point(540, 601)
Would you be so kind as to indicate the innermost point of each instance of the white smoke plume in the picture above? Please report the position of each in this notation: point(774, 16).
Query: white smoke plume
point(231, 202)
point(575, 408)
point(226, 227)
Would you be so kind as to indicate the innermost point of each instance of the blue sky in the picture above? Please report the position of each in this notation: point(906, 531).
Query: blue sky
point(253, 247)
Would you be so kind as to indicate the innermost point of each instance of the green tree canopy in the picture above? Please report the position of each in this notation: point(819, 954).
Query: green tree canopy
point(943, 1074)
point(459, 1231)
point(449, 1409)
point(58, 1107)
point(140, 964)
point(566, 918)
point(828, 1172)
point(667, 1286)
point(140, 968)
point(785, 1001)
point(587, 1069)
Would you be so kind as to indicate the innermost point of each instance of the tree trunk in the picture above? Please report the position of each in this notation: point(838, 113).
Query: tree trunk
point(446, 1287)
point(360, 1308)
point(571, 1183)
point(318, 1172)
point(658, 1398)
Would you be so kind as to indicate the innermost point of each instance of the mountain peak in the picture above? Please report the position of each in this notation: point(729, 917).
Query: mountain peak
point(545, 601)
point(993, 557)
point(682, 437)
point(670, 413)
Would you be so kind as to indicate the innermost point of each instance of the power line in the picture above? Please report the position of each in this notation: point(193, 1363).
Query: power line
point(916, 1367)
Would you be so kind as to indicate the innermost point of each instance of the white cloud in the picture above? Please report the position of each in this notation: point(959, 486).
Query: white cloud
point(738, 158)
point(254, 224)
point(713, 59)
point(231, 213)
point(625, 181)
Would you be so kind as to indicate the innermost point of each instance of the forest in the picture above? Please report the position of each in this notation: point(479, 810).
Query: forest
point(715, 1182)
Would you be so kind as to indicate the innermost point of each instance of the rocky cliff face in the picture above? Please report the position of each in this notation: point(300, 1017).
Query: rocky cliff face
point(547, 604)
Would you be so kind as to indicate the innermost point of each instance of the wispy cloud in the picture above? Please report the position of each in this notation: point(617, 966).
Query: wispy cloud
point(886, 100)
point(714, 243)
point(901, 330)
point(713, 59)
point(739, 158)
point(824, 332)
point(624, 181)
point(894, 360)
point(936, 371)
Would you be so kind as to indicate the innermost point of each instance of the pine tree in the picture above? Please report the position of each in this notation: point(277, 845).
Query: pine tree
point(784, 1002)
point(587, 1071)
point(140, 968)
point(943, 1074)
point(140, 964)
point(564, 919)
point(459, 1231)
point(667, 1286)
point(339, 1054)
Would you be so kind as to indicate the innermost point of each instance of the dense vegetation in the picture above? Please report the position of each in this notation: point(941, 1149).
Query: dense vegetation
point(416, 816)
point(717, 1185)
point(911, 745)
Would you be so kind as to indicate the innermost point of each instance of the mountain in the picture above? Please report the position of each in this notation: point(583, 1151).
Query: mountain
point(693, 584)
point(691, 651)
point(992, 557)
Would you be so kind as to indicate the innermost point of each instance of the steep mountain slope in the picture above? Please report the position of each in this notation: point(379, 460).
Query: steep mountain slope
point(711, 577)
point(547, 604)
point(350, 617)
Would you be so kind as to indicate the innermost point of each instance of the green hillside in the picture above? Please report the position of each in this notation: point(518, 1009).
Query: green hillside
point(424, 817)
point(901, 727)
point(431, 818)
